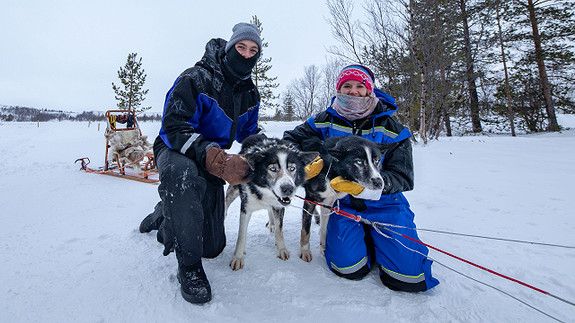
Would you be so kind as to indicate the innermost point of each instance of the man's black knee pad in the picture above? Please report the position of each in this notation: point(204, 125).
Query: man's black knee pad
point(214, 250)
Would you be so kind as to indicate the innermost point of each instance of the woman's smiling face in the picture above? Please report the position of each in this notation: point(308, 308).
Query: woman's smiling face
point(353, 88)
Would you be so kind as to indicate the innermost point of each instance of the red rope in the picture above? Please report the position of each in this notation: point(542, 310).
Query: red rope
point(358, 218)
point(467, 261)
point(334, 209)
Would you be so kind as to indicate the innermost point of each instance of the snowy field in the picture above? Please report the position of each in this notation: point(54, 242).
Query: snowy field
point(71, 250)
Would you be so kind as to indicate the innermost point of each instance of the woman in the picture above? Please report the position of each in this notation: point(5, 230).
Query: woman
point(352, 248)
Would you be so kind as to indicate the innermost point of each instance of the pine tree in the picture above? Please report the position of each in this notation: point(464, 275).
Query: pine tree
point(263, 82)
point(133, 78)
point(543, 31)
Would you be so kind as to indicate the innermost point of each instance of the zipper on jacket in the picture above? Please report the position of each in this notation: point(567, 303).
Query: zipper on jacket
point(357, 131)
point(237, 105)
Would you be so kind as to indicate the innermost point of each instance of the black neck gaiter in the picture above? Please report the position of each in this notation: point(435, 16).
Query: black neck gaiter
point(239, 66)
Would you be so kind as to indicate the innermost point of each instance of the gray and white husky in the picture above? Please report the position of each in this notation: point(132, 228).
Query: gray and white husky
point(278, 171)
point(353, 158)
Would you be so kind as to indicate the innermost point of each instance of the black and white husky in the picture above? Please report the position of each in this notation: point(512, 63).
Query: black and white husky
point(353, 158)
point(278, 171)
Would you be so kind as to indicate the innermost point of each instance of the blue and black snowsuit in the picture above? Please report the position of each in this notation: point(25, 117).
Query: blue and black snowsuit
point(207, 106)
point(352, 247)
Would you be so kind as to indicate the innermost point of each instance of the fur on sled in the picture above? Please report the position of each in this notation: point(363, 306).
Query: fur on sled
point(129, 145)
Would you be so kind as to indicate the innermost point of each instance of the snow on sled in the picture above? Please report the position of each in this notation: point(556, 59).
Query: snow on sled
point(128, 153)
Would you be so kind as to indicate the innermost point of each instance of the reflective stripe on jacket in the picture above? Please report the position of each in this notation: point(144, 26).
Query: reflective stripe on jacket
point(380, 127)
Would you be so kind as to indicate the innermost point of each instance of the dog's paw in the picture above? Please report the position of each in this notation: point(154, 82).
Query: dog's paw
point(237, 263)
point(283, 254)
point(305, 255)
point(270, 226)
point(316, 219)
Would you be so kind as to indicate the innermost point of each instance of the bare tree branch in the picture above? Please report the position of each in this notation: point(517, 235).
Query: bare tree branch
point(344, 30)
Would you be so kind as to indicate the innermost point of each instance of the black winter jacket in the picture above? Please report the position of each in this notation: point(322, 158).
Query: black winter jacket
point(208, 107)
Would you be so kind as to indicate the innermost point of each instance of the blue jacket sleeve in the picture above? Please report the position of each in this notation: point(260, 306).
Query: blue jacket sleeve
point(250, 127)
point(182, 111)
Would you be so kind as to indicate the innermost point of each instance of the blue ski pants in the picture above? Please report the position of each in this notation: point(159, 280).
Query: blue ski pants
point(353, 247)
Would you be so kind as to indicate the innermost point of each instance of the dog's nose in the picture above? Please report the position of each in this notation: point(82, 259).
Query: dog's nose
point(287, 190)
point(377, 182)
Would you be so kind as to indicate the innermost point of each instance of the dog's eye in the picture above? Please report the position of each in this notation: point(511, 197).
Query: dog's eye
point(291, 169)
point(359, 162)
point(273, 169)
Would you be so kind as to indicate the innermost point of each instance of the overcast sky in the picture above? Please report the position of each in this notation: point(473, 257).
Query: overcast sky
point(65, 55)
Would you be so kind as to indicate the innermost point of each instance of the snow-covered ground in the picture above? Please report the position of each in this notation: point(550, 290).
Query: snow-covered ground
point(71, 251)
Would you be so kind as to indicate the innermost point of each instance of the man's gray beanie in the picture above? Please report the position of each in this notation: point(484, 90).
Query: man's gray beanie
point(243, 31)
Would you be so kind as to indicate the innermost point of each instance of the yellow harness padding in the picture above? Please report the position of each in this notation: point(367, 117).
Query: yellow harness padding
point(113, 121)
point(313, 168)
point(343, 185)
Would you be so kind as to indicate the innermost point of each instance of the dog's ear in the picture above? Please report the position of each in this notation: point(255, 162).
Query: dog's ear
point(308, 156)
point(313, 144)
point(336, 153)
point(253, 140)
point(385, 147)
point(253, 159)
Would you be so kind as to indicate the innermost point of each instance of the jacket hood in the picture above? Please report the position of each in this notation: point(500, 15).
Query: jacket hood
point(214, 54)
point(386, 107)
point(212, 61)
point(388, 99)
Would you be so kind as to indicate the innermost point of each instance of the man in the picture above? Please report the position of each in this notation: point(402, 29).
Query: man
point(209, 106)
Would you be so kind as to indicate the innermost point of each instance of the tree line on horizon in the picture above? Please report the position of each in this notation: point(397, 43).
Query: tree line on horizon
point(27, 114)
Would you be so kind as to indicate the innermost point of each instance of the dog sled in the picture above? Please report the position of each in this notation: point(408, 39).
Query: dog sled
point(128, 153)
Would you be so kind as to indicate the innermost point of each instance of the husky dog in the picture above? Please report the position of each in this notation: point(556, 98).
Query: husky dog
point(352, 158)
point(278, 171)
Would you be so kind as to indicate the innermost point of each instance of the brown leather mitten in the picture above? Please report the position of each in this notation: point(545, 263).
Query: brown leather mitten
point(232, 168)
point(313, 168)
point(342, 185)
point(355, 189)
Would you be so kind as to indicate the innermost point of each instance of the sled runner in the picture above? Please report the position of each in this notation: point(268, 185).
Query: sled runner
point(128, 153)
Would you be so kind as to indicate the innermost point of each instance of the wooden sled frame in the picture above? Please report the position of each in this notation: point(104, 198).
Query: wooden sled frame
point(113, 166)
point(147, 164)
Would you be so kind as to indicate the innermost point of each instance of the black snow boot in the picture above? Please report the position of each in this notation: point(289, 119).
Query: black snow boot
point(195, 286)
point(152, 221)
